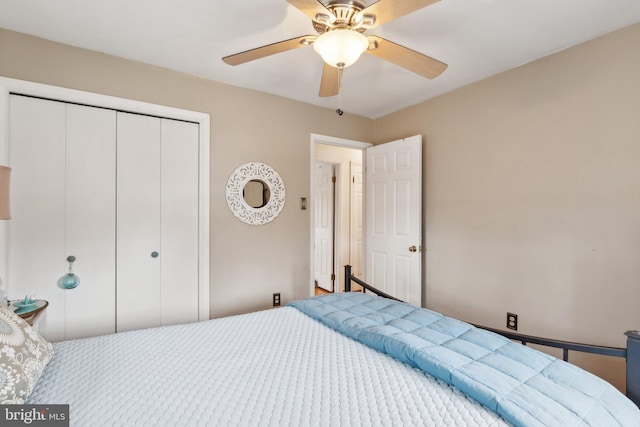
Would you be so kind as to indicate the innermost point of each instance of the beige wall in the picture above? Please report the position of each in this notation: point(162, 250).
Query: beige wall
point(532, 194)
point(249, 263)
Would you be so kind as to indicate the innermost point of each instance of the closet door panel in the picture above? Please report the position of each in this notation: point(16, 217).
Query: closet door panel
point(179, 222)
point(138, 222)
point(37, 228)
point(91, 219)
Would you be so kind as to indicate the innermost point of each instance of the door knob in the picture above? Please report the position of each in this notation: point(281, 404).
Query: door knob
point(154, 254)
point(412, 249)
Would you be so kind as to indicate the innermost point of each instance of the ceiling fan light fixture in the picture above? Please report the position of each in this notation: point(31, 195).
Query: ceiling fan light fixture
point(341, 47)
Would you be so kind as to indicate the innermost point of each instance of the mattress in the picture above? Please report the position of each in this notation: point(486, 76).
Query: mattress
point(272, 368)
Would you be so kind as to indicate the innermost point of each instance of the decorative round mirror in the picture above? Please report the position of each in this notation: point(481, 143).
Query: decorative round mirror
point(255, 193)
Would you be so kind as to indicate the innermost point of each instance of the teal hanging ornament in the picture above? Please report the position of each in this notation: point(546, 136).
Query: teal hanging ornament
point(69, 280)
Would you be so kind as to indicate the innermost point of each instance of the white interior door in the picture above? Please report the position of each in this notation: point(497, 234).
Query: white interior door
point(179, 222)
point(394, 218)
point(138, 222)
point(324, 225)
point(90, 220)
point(36, 230)
point(63, 204)
point(63, 159)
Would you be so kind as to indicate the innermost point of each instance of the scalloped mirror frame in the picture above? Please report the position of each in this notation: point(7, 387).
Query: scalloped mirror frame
point(236, 202)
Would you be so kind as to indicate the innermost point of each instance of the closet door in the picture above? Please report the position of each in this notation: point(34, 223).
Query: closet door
point(157, 236)
point(91, 220)
point(179, 222)
point(118, 191)
point(36, 231)
point(63, 195)
point(138, 222)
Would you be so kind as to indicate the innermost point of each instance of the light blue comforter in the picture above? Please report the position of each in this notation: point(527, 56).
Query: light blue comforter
point(523, 385)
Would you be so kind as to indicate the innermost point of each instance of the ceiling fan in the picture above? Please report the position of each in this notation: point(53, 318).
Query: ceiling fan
point(340, 25)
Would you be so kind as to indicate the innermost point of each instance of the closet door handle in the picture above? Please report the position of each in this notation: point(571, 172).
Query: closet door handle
point(154, 254)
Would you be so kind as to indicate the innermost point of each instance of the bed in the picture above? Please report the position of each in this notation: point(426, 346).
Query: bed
point(310, 363)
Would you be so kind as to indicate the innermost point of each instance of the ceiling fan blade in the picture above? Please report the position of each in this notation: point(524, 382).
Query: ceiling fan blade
point(406, 58)
point(311, 8)
point(330, 84)
point(388, 10)
point(271, 49)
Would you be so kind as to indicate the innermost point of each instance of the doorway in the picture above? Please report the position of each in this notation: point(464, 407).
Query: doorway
point(337, 214)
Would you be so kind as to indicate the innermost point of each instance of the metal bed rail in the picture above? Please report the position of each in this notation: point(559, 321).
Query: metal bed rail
point(631, 354)
point(348, 278)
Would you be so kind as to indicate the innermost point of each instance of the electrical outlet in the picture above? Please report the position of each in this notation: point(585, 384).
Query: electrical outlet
point(276, 299)
point(512, 321)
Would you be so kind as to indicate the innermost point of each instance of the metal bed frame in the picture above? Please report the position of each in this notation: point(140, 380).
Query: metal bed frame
point(631, 354)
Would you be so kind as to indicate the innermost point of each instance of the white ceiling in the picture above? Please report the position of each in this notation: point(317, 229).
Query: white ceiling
point(476, 38)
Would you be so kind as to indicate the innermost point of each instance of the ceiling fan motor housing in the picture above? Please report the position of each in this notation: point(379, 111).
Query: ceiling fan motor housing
point(343, 15)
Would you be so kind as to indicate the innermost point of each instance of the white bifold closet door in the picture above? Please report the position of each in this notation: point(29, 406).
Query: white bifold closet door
point(118, 191)
point(179, 213)
point(157, 222)
point(63, 201)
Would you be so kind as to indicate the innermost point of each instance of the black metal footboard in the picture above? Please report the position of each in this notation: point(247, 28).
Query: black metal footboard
point(631, 353)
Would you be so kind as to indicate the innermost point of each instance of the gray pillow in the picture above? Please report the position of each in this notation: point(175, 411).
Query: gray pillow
point(23, 356)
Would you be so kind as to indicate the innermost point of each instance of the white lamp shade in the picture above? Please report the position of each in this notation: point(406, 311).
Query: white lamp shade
point(341, 47)
point(5, 174)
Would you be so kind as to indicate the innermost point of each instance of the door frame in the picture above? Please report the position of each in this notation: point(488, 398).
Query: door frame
point(22, 87)
point(339, 142)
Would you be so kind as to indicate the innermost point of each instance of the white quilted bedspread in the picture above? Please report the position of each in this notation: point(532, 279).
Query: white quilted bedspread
point(270, 368)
